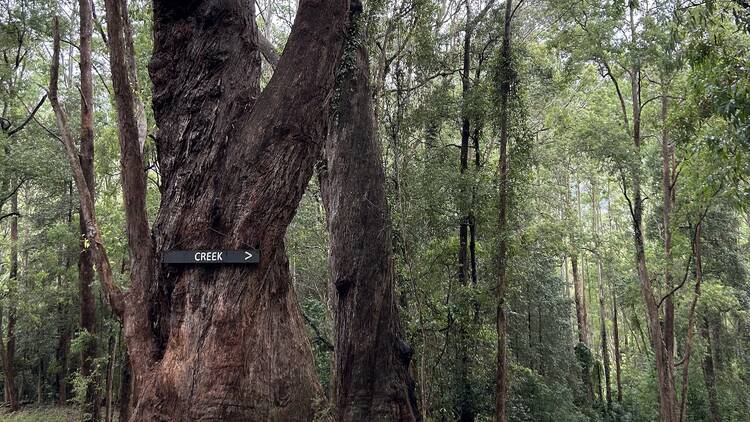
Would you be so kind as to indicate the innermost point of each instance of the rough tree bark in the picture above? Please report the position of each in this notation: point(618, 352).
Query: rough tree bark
point(85, 259)
point(507, 77)
point(228, 342)
point(371, 378)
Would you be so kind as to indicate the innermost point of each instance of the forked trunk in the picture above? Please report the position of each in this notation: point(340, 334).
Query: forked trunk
point(663, 358)
point(229, 341)
point(226, 342)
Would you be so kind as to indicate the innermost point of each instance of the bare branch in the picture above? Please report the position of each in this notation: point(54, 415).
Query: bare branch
point(29, 117)
point(10, 214)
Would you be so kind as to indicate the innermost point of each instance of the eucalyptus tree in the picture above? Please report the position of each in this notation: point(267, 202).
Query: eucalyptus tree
point(290, 111)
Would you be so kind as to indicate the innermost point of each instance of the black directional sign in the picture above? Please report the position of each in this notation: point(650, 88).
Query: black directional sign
point(245, 256)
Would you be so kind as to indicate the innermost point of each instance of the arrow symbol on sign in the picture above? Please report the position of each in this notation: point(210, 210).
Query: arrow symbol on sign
point(248, 255)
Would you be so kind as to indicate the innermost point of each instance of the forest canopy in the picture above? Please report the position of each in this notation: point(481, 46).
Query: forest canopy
point(404, 210)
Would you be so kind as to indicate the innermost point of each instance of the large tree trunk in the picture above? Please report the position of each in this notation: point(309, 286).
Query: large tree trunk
point(507, 75)
point(85, 258)
point(229, 342)
point(371, 379)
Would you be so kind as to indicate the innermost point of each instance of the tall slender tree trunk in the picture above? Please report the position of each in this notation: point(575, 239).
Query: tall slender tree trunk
point(109, 386)
point(507, 77)
point(616, 339)
point(371, 374)
point(664, 361)
point(9, 348)
point(63, 311)
point(579, 292)
point(602, 307)
point(63, 347)
point(709, 373)
point(85, 258)
point(126, 388)
point(464, 397)
point(667, 198)
point(698, 259)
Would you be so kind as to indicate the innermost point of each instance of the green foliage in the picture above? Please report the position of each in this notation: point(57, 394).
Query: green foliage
point(571, 153)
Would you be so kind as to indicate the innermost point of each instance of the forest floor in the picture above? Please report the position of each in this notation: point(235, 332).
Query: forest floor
point(41, 414)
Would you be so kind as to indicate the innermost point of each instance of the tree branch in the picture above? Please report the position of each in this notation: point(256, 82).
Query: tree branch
point(10, 214)
point(319, 337)
point(268, 50)
point(619, 94)
point(113, 292)
point(13, 191)
point(29, 117)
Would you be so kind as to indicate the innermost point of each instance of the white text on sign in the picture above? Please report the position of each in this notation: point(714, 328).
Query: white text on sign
point(208, 256)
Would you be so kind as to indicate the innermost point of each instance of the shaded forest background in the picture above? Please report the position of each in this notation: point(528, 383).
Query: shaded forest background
point(612, 112)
